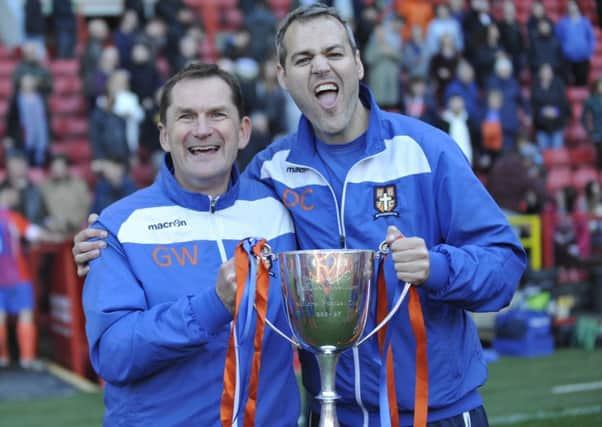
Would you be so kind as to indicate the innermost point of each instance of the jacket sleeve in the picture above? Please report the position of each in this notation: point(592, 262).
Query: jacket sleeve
point(129, 340)
point(480, 261)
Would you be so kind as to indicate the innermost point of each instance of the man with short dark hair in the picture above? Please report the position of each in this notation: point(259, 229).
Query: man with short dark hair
point(352, 175)
point(159, 299)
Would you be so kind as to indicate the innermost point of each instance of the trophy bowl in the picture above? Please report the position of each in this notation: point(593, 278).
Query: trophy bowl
point(326, 293)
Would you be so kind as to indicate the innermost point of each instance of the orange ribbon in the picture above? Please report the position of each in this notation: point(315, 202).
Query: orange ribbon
point(419, 330)
point(241, 260)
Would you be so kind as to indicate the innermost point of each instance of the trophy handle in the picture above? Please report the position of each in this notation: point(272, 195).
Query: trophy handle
point(268, 258)
point(282, 334)
point(378, 327)
point(383, 250)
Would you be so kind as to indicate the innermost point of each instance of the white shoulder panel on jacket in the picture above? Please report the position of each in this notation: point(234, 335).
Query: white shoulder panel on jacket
point(289, 174)
point(402, 157)
point(264, 218)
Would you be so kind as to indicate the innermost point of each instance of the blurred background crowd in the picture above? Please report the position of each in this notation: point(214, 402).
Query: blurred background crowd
point(517, 85)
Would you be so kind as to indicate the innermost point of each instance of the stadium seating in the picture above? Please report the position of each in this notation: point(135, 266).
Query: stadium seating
point(558, 178)
point(7, 66)
point(6, 88)
point(583, 155)
point(577, 94)
point(584, 175)
point(67, 85)
point(574, 134)
point(67, 104)
point(64, 67)
point(556, 157)
point(3, 108)
point(77, 150)
point(69, 127)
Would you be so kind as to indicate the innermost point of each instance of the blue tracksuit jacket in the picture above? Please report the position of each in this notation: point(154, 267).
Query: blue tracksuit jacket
point(415, 177)
point(157, 331)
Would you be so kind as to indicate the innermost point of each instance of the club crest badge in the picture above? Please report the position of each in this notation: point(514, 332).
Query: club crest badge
point(385, 201)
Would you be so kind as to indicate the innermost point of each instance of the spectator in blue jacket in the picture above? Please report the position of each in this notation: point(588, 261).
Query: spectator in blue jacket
point(514, 103)
point(465, 86)
point(544, 48)
point(578, 42)
point(550, 108)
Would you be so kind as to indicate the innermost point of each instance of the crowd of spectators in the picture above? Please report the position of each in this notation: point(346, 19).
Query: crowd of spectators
point(496, 84)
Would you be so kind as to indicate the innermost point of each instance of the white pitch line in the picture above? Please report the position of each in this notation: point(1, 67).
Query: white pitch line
point(80, 383)
point(575, 388)
point(545, 415)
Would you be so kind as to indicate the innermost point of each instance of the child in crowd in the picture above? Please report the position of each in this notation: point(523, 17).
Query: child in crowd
point(492, 136)
point(456, 117)
point(16, 289)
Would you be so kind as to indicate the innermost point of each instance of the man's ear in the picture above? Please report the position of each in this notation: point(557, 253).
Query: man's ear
point(359, 64)
point(163, 138)
point(244, 132)
point(281, 72)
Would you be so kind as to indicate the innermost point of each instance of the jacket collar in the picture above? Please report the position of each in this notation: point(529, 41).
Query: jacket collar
point(191, 200)
point(303, 150)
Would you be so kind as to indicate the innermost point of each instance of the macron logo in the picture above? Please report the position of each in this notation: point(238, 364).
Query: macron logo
point(168, 224)
point(295, 169)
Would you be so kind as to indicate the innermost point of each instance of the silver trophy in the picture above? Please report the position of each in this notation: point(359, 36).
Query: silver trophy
point(327, 296)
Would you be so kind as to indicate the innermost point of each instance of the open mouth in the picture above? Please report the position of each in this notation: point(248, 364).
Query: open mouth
point(327, 94)
point(198, 150)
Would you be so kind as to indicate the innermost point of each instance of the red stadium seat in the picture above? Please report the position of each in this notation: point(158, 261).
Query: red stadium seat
point(5, 52)
point(575, 133)
point(227, 4)
point(577, 93)
point(556, 157)
point(583, 155)
point(3, 108)
point(577, 110)
point(63, 104)
point(78, 150)
point(584, 175)
point(6, 88)
point(64, 67)
point(67, 85)
point(558, 178)
point(7, 66)
point(233, 19)
point(66, 127)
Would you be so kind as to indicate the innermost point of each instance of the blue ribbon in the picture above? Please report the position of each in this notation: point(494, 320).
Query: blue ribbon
point(383, 397)
point(246, 323)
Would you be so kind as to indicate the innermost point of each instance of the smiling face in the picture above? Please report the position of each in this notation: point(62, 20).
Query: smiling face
point(322, 73)
point(203, 132)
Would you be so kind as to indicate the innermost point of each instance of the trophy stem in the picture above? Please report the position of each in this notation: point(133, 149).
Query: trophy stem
point(327, 361)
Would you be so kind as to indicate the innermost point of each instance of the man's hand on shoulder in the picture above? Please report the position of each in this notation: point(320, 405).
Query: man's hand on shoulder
point(85, 250)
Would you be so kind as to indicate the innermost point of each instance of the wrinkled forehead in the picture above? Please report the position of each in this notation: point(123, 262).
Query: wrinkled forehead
point(314, 33)
point(201, 93)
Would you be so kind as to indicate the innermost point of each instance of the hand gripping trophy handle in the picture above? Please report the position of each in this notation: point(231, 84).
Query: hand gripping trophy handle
point(327, 297)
